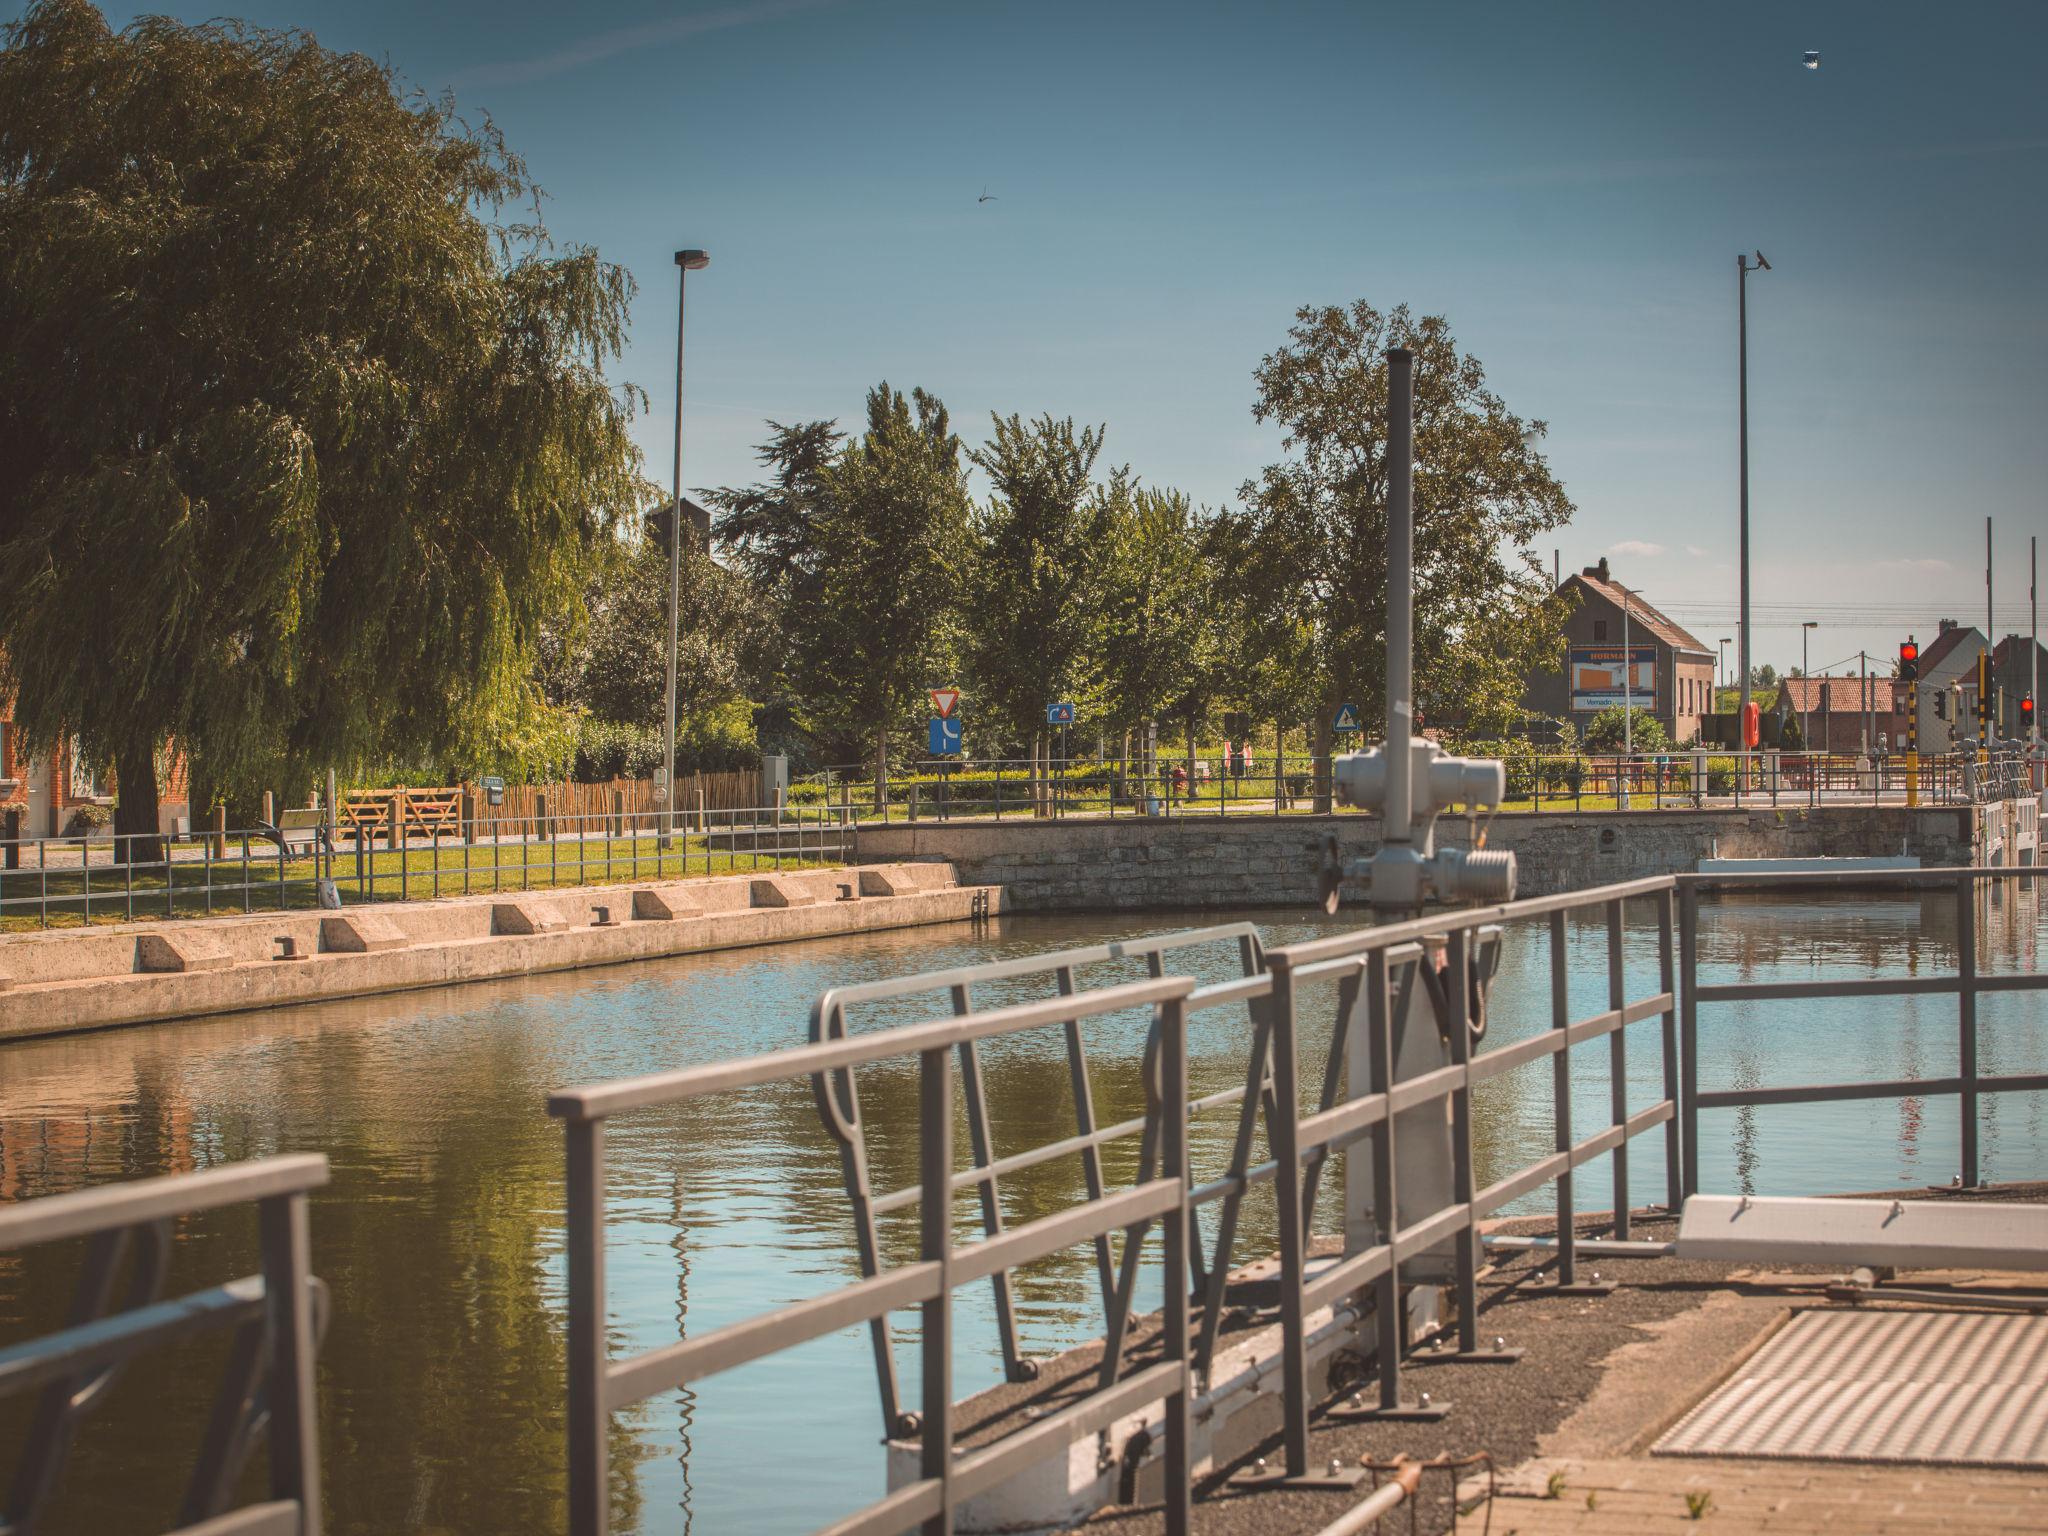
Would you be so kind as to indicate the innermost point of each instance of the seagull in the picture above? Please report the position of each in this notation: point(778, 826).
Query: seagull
point(984, 198)
point(1812, 59)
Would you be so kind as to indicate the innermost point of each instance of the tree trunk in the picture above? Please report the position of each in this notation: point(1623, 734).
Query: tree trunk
point(136, 838)
point(882, 770)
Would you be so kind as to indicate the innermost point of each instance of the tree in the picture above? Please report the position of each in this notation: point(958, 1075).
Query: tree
point(301, 442)
point(1645, 731)
point(1037, 545)
point(615, 667)
point(1158, 611)
point(1313, 527)
point(890, 535)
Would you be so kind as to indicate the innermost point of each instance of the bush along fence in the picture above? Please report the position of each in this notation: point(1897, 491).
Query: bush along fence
point(419, 845)
point(1221, 783)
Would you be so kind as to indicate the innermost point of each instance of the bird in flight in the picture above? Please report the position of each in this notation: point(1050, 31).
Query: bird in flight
point(984, 198)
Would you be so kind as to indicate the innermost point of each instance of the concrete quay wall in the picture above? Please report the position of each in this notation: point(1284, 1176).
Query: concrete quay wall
point(1140, 862)
point(139, 973)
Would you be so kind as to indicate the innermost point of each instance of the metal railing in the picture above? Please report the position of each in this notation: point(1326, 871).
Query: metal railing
point(1968, 1083)
point(80, 880)
point(1368, 967)
point(1674, 779)
point(274, 1316)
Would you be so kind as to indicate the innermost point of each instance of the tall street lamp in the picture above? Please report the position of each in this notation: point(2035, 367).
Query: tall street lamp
point(686, 263)
point(1628, 708)
point(1723, 681)
point(1806, 630)
point(1743, 269)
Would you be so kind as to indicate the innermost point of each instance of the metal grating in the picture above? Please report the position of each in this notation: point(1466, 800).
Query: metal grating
point(1958, 1388)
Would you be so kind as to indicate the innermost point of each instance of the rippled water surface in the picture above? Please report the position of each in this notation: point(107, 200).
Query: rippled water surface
point(440, 1387)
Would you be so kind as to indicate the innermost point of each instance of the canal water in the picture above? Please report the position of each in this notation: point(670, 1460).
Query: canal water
point(441, 1234)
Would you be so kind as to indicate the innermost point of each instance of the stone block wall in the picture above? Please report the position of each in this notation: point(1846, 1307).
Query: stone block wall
point(1166, 863)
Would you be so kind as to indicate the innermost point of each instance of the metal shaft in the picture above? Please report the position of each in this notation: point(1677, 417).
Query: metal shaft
point(1742, 398)
point(675, 574)
point(1400, 806)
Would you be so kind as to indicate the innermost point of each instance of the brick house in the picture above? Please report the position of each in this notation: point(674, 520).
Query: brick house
point(48, 787)
point(1670, 673)
point(1846, 714)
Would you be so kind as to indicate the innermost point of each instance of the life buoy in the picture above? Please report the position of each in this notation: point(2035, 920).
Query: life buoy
point(1752, 725)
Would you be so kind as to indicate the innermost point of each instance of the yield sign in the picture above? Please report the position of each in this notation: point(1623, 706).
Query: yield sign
point(945, 701)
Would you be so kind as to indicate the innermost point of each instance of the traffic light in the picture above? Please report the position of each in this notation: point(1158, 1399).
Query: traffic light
point(1909, 662)
point(1984, 688)
point(1941, 703)
point(2027, 715)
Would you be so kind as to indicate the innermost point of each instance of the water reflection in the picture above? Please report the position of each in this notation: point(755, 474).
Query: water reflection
point(441, 1234)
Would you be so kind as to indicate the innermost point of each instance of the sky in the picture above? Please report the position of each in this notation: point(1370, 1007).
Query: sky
point(1567, 183)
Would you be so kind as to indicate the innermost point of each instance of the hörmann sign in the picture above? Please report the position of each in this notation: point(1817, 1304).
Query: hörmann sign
point(1597, 679)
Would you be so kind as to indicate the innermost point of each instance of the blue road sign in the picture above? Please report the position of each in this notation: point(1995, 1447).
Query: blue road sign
point(943, 738)
point(1059, 714)
point(1347, 718)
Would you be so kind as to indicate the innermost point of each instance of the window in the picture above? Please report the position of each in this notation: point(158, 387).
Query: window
point(1599, 629)
point(85, 779)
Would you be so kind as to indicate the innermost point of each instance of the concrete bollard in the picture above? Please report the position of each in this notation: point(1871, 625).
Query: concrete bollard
point(269, 809)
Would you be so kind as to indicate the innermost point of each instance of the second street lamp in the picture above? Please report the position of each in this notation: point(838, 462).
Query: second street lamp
point(1743, 269)
point(1806, 630)
point(686, 263)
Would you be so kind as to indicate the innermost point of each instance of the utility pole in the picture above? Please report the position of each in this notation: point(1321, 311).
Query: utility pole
point(2034, 640)
point(1869, 740)
point(686, 263)
point(1742, 271)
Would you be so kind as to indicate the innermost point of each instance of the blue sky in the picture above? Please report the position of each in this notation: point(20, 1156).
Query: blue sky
point(1568, 183)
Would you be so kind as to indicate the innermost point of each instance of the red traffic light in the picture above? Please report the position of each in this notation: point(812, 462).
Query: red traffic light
point(1909, 652)
point(2026, 711)
point(1909, 661)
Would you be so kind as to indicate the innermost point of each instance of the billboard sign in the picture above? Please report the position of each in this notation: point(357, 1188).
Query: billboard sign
point(1597, 677)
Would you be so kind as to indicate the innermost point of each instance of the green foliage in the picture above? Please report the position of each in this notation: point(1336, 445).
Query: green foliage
point(1312, 535)
point(1036, 561)
point(890, 533)
point(1158, 638)
point(302, 443)
point(1646, 732)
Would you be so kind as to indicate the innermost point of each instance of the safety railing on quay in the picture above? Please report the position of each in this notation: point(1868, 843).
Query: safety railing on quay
point(1375, 971)
point(1674, 779)
point(1968, 1084)
point(50, 882)
point(118, 1313)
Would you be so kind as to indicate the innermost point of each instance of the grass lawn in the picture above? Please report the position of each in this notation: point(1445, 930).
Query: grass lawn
point(112, 893)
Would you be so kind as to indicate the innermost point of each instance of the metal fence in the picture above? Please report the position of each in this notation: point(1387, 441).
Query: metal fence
point(50, 882)
point(275, 1318)
point(1967, 1084)
point(1677, 779)
point(1366, 967)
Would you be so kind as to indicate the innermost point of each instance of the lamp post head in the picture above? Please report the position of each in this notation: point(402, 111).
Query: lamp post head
point(693, 261)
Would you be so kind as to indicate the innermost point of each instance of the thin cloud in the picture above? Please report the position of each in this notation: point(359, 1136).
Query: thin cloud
point(1641, 549)
point(605, 45)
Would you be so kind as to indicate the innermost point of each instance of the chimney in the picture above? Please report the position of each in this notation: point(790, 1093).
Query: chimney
point(1946, 625)
point(1599, 570)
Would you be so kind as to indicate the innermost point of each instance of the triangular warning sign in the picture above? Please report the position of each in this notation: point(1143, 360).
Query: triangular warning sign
point(1347, 717)
point(945, 701)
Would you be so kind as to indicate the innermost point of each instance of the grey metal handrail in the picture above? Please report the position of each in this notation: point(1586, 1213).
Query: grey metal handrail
point(599, 1386)
point(1365, 966)
point(1967, 1083)
point(275, 1317)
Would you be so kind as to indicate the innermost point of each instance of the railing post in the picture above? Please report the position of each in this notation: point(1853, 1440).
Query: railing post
point(1285, 1134)
point(935, 1246)
point(1458, 998)
point(287, 1298)
point(589, 1490)
point(1966, 995)
point(1617, 1064)
point(1689, 1033)
point(1674, 1195)
point(1173, 1164)
point(1561, 1101)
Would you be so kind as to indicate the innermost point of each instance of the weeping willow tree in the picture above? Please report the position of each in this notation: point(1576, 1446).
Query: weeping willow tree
point(305, 432)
